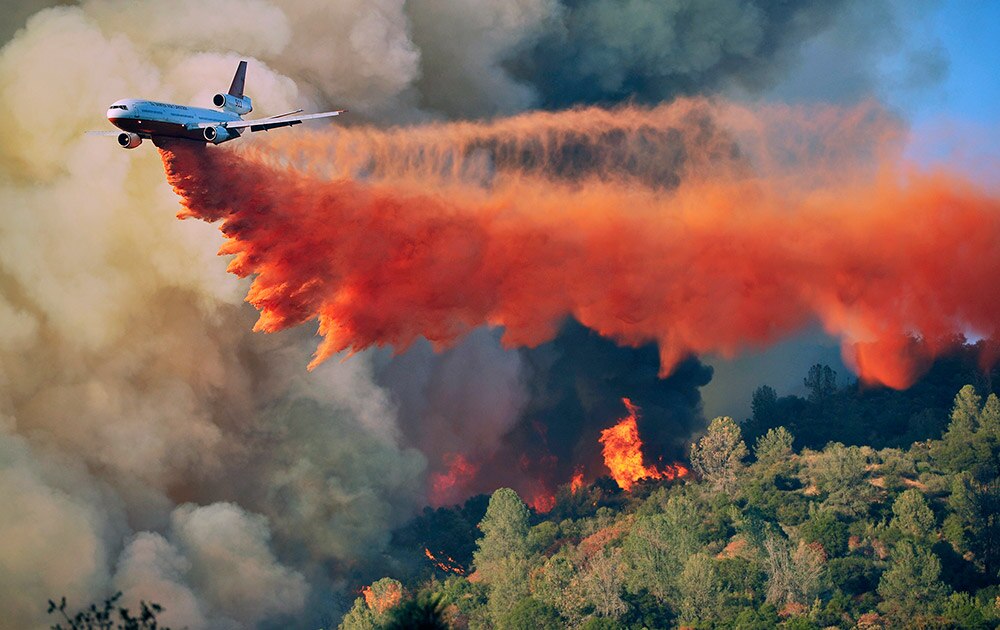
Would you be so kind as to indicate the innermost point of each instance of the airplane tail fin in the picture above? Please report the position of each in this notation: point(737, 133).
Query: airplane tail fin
point(236, 89)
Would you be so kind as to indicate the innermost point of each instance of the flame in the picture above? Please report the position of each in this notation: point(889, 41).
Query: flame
point(623, 453)
point(577, 481)
point(386, 598)
point(701, 226)
point(446, 487)
point(448, 565)
point(543, 502)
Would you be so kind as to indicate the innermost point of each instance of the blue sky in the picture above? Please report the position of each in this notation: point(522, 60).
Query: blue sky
point(957, 120)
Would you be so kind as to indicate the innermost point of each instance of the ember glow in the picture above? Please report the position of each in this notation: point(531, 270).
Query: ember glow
point(623, 453)
point(542, 502)
point(701, 226)
point(448, 487)
point(447, 564)
point(385, 598)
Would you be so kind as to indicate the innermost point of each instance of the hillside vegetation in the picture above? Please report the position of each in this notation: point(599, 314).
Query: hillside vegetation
point(767, 531)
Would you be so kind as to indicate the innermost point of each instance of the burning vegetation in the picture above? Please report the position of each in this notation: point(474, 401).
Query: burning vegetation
point(623, 453)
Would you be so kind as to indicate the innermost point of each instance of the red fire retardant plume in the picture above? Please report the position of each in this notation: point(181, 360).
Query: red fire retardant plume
point(702, 226)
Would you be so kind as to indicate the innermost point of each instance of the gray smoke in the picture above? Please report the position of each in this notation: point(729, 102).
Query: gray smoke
point(150, 442)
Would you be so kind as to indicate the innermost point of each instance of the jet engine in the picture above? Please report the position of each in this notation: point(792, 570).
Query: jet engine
point(218, 135)
point(129, 140)
point(237, 104)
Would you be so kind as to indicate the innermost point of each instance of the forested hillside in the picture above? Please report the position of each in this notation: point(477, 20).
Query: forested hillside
point(769, 529)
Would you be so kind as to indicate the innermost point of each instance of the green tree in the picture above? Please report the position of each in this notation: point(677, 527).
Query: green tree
point(359, 617)
point(774, 447)
point(965, 413)
point(718, 456)
point(911, 586)
point(976, 507)
point(531, 614)
point(426, 612)
point(913, 517)
point(958, 450)
point(841, 474)
point(989, 419)
point(699, 589)
point(502, 556)
point(658, 545)
point(826, 528)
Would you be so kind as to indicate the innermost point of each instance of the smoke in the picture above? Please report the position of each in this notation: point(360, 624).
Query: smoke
point(601, 51)
point(139, 414)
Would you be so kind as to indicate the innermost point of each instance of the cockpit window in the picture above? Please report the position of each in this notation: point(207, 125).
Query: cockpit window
point(118, 107)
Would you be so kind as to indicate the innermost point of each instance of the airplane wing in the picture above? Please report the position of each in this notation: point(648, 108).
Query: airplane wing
point(263, 124)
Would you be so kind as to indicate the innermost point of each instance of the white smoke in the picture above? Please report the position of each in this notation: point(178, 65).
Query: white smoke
point(149, 442)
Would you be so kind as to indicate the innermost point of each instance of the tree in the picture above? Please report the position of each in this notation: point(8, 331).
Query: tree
point(911, 586)
point(601, 582)
point(825, 528)
point(821, 383)
point(658, 545)
point(794, 572)
point(359, 617)
point(976, 507)
point(531, 614)
point(764, 410)
point(718, 456)
point(699, 589)
point(965, 413)
point(774, 447)
point(426, 612)
point(841, 473)
point(502, 556)
point(109, 616)
point(913, 517)
point(989, 419)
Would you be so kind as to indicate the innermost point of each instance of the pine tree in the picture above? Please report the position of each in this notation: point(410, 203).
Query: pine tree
point(913, 517)
point(912, 585)
point(774, 446)
point(989, 419)
point(965, 413)
point(502, 556)
point(718, 456)
point(821, 383)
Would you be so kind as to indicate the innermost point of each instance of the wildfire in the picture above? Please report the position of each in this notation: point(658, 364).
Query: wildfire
point(623, 453)
point(448, 564)
point(445, 486)
point(577, 482)
point(381, 598)
point(543, 502)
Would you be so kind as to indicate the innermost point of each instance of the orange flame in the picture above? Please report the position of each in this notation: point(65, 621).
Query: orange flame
point(384, 598)
point(448, 565)
point(623, 453)
point(445, 487)
point(577, 481)
point(543, 502)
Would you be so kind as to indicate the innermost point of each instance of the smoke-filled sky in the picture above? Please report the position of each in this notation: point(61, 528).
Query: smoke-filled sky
point(151, 442)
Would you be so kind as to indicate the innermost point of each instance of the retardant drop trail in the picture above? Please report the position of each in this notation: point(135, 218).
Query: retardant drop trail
point(701, 226)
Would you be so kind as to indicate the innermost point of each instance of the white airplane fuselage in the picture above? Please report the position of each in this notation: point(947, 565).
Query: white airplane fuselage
point(152, 118)
point(140, 119)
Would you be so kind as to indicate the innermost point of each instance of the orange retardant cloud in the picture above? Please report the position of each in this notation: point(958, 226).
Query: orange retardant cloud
point(701, 226)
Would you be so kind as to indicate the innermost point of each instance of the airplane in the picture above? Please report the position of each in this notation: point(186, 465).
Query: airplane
point(139, 119)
